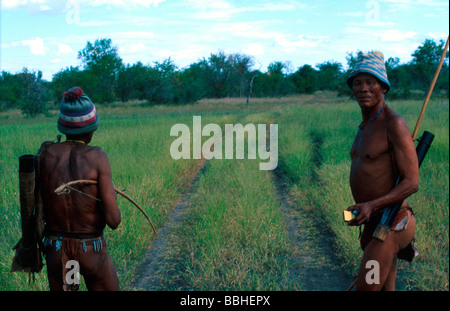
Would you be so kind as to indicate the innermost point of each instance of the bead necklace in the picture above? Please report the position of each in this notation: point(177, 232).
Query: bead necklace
point(363, 124)
point(75, 141)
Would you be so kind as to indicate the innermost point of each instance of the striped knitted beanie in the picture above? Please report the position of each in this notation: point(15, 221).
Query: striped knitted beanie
point(77, 114)
point(372, 63)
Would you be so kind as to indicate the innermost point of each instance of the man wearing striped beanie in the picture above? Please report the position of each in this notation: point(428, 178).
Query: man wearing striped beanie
point(77, 115)
point(75, 220)
point(382, 151)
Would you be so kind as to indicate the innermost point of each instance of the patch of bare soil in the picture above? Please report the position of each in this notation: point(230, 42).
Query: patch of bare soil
point(150, 274)
point(315, 265)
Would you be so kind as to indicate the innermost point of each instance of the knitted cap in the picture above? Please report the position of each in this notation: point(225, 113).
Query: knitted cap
point(372, 63)
point(77, 114)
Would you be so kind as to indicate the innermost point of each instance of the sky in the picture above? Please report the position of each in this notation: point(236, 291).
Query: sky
point(47, 35)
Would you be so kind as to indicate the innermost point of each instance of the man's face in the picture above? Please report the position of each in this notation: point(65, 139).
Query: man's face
point(367, 90)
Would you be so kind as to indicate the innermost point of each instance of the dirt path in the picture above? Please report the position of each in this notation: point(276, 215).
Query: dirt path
point(150, 274)
point(314, 265)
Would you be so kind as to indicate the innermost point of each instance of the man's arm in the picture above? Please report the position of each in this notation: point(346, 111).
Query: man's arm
point(106, 191)
point(408, 167)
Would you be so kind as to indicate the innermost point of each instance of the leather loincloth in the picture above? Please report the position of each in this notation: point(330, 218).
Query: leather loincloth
point(70, 248)
point(400, 223)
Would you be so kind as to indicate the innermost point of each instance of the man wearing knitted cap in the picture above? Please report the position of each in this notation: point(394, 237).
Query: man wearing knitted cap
point(382, 151)
point(74, 221)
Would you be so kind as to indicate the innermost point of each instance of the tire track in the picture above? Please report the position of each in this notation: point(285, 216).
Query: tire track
point(150, 273)
point(315, 264)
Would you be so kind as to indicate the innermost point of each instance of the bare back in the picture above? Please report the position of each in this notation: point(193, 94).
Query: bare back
point(75, 212)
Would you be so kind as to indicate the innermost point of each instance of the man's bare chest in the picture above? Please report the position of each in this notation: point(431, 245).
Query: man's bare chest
point(370, 145)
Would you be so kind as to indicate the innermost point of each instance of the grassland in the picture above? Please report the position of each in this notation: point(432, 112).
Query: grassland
point(235, 237)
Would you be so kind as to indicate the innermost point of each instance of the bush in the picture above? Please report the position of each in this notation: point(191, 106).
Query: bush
point(34, 94)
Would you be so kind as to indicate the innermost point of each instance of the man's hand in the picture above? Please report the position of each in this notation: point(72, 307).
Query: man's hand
point(363, 213)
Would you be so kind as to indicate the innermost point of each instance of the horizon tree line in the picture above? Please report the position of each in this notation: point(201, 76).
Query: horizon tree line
point(104, 76)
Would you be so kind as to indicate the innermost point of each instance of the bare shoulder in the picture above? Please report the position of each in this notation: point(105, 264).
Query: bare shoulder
point(97, 152)
point(397, 124)
point(98, 156)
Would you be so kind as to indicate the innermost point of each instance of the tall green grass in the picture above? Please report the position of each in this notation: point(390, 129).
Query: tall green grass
point(235, 238)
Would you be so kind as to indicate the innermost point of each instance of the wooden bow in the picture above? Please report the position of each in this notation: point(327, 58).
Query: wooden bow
point(65, 188)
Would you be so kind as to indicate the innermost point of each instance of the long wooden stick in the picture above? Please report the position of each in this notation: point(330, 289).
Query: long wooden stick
point(351, 286)
point(430, 90)
point(63, 189)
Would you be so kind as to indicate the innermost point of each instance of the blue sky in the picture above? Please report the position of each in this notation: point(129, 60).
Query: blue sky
point(47, 34)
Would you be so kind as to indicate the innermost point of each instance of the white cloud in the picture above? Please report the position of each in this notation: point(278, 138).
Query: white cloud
point(137, 47)
point(301, 41)
point(10, 45)
point(437, 36)
point(58, 5)
point(125, 3)
point(395, 35)
point(208, 4)
point(63, 49)
point(255, 49)
point(189, 53)
point(137, 35)
point(384, 35)
point(9, 4)
point(133, 48)
point(401, 5)
point(34, 6)
point(224, 10)
point(433, 3)
point(36, 46)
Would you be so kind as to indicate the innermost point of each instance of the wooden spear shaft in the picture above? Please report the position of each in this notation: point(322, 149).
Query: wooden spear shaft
point(430, 90)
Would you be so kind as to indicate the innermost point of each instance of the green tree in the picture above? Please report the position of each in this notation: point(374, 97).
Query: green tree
point(161, 87)
point(275, 77)
point(102, 60)
point(34, 93)
point(219, 72)
point(425, 62)
point(330, 75)
point(305, 80)
point(193, 83)
point(66, 79)
point(11, 86)
point(132, 82)
point(240, 74)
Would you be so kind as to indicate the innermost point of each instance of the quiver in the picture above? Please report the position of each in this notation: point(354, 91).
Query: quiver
point(28, 255)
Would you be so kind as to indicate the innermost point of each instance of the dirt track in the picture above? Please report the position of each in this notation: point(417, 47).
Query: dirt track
point(314, 265)
point(149, 275)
